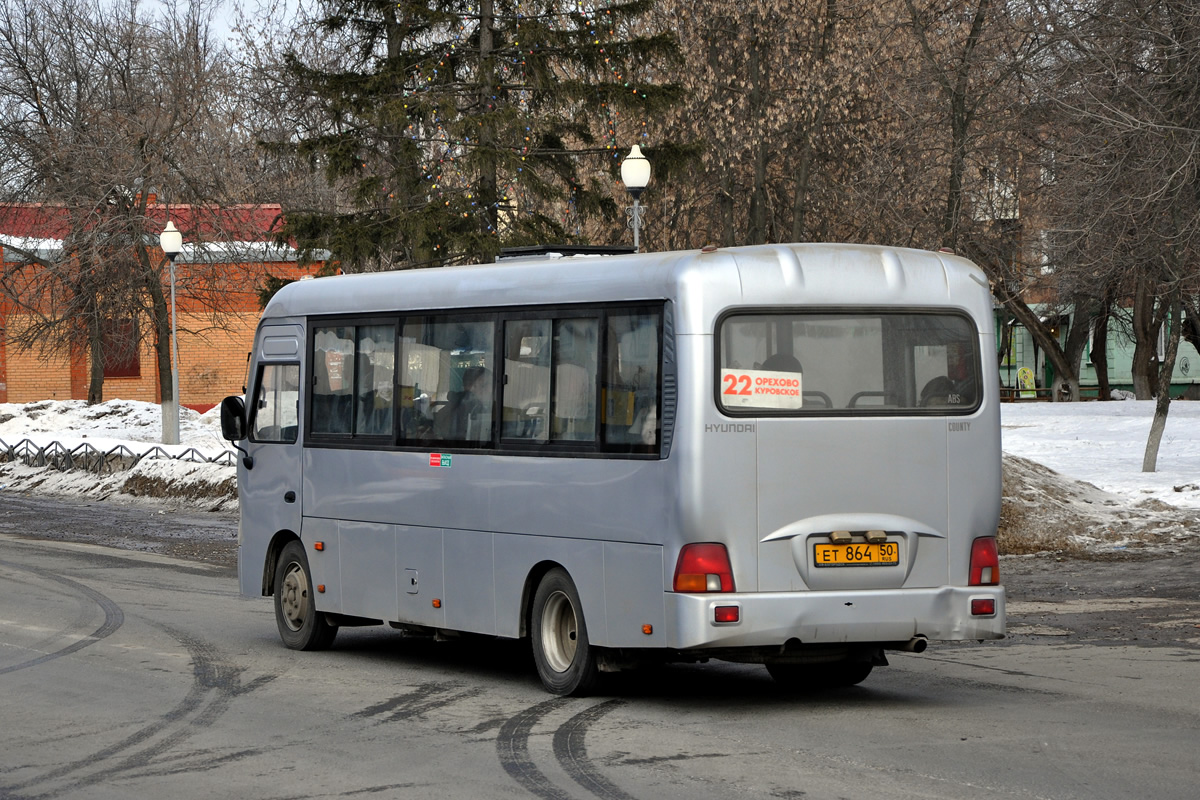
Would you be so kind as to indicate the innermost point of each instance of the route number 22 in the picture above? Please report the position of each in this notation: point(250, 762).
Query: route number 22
point(737, 384)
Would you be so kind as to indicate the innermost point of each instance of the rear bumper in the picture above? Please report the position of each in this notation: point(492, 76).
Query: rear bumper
point(775, 618)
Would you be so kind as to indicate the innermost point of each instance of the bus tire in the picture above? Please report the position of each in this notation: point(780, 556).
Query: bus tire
point(300, 625)
point(566, 661)
point(809, 677)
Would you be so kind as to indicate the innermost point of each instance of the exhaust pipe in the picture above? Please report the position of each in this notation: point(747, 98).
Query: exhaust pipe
point(917, 644)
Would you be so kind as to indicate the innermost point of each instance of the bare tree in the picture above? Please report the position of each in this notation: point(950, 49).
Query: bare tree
point(102, 106)
point(775, 96)
point(1130, 100)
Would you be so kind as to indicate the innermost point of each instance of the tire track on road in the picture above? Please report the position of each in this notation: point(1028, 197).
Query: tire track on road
point(114, 617)
point(421, 700)
point(512, 745)
point(198, 710)
point(571, 751)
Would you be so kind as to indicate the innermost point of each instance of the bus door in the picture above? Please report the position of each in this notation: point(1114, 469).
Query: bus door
point(271, 501)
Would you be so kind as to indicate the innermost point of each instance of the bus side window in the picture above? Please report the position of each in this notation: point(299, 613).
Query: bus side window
point(551, 367)
point(375, 353)
point(447, 384)
point(333, 371)
point(353, 368)
point(276, 411)
point(631, 381)
point(576, 357)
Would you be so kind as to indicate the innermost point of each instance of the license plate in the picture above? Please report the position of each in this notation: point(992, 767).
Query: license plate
point(884, 554)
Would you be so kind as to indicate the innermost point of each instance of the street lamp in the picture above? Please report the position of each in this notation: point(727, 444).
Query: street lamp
point(171, 242)
point(635, 174)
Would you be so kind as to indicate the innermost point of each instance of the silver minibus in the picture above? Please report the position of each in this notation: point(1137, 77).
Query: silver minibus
point(780, 454)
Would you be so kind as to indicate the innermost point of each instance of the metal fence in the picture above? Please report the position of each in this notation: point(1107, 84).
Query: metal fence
point(56, 455)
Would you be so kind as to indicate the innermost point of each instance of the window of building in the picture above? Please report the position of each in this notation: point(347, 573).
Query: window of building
point(119, 343)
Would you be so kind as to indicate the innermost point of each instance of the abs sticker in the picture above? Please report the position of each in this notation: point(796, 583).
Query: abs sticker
point(439, 459)
point(756, 388)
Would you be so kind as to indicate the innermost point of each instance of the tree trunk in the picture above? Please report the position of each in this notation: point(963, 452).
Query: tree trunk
point(961, 117)
point(1065, 362)
point(1101, 347)
point(96, 368)
point(160, 322)
point(808, 129)
point(757, 233)
point(1191, 322)
point(758, 197)
point(1145, 340)
point(951, 219)
point(488, 181)
point(1163, 406)
point(725, 207)
point(1066, 384)
point(800, 191)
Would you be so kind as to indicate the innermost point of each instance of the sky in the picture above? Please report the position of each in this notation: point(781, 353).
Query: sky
point(1100, 443)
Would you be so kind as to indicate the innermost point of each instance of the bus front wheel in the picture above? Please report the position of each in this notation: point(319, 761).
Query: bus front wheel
point(300, 625)
point(566, 661)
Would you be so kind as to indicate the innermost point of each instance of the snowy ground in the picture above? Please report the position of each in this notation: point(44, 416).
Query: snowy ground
point(1103, 444)
point(118, 426)
point(1072, 472)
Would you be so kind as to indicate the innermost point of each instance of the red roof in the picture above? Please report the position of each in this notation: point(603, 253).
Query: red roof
point(241, 223)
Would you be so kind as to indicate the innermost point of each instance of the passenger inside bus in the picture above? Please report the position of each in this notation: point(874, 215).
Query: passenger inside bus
point(468, 414)
point(331, 395)
point(957, 386)
point(374, 412)
point(782, 362)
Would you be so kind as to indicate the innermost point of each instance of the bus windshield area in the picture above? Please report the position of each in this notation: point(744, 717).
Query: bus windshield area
point(848, 362)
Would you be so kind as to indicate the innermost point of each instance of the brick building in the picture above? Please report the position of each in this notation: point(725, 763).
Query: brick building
point(214, 332)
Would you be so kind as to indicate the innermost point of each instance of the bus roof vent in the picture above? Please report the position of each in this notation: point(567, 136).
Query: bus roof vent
point(540, 252)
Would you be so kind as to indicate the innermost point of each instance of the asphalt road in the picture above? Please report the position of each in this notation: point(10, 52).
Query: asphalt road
point(127, 674)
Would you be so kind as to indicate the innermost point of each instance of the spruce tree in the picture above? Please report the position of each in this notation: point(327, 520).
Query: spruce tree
point(455, 127)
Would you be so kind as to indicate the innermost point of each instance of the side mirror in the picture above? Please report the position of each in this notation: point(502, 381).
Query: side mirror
point(233, 418)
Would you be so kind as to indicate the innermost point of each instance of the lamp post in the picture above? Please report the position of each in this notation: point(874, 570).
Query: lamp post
point(171, 241)
point(635, 174)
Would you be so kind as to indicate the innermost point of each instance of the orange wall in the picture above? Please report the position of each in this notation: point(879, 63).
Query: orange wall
point(212, 364)
point(212, 361)
point(26, 375)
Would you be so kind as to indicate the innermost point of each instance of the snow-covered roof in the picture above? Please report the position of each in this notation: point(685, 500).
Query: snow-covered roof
point(200, 253)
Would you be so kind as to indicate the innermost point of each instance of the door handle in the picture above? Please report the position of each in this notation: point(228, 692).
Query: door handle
point(289, 497)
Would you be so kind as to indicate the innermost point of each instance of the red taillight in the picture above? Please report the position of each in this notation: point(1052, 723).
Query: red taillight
point(703, 568)
point(985, 562)
point(983, 607)
point(727, 613)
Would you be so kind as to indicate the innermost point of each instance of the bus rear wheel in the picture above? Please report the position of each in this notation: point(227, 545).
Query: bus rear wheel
point(566, 661)
point(300, 625)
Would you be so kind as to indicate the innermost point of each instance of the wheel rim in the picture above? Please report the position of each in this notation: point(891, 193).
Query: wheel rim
point(294, 596)
point(560, 632)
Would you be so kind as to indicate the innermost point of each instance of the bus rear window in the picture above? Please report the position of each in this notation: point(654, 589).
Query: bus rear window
point(848, 362)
